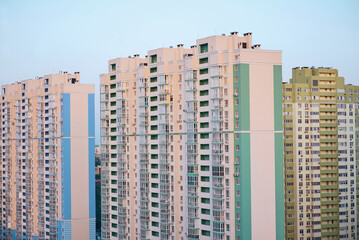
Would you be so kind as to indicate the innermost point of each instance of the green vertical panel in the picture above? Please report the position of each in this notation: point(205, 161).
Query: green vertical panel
point(241, 71)
point(245, 176)
point(277, 87)
point(279, 186)
point(244, 97)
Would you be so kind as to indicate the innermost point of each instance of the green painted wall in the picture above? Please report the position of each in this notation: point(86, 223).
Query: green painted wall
point(279, 186)
point(244, 151)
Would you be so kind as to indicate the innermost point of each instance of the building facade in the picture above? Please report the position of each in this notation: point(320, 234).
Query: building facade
point(320, 155)
point(192, 143)
point(47, 159)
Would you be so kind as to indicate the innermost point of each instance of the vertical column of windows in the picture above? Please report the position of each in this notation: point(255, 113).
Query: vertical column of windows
point(192, 154)
point(106, 139)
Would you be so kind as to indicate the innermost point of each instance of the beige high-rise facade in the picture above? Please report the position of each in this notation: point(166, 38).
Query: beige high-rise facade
point(320, 155)
point(192, 143)
point(47, 179)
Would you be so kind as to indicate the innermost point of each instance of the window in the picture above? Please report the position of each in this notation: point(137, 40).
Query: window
point(204, 168)
point(204, 125)
point(204, 179)
point(153, 58)
point(203, 103)
point(113, 67)
point(205, 189)
point(203, 71)
point(203, 93)
point(205, 200)
point(204, 135)
point(203, 60)
point(204, 114)
point(203, 82)
point(206, 233)
point(113, 77)
point(203, 48)
point(153, 70)
point(153, 79)
point(204, 157)
point(205, 222)
point(205, 211)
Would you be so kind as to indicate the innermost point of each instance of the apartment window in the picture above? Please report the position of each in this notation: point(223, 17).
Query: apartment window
point(235, 67)
point(205, 189)
point(203, 93)
point(205, 211)
point(236, 77)
point(205, 200)
point(113, 77)
point(204, 125)
point(153, 70)
point(153, 89)
point(203, 103)
point(206, 233)
point(204, 168)
point(204, 179)
point(203, 71)
point(205, 222)
point(203, 82)
point(204, 114)
point(203, 60)
point(153, 79)
point(153, 58)
point(204, 135)
point(113, 67)
point(204, 157)
point(203, 48)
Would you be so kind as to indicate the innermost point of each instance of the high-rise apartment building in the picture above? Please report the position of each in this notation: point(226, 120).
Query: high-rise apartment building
point(192, 143)
point(321, 142)
point(47, 159)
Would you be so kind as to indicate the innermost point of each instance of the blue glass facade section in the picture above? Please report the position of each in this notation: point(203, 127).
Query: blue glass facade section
point(66, 115)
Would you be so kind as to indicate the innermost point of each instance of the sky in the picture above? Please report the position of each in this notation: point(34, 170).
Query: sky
point(48, 36)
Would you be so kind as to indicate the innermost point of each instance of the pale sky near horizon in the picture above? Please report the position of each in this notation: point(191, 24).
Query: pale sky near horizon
point(43, 37)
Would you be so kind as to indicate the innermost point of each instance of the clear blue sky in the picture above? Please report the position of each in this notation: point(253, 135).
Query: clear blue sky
point(42, 37)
